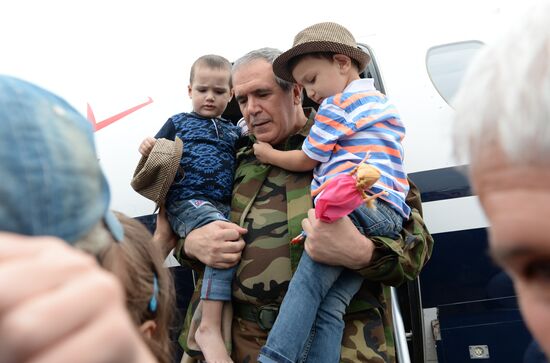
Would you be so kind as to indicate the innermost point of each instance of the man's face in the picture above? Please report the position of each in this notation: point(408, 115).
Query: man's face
point(210, 92)
point(320, 77)
point(269, 111)
point(516, 199)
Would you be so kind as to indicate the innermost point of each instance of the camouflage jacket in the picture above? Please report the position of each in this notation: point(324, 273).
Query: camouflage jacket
point(368, 333)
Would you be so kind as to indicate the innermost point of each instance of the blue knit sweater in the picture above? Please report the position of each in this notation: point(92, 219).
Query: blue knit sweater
point(208, 159)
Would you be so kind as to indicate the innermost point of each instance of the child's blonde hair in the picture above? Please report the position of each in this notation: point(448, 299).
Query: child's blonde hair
point(137, 262)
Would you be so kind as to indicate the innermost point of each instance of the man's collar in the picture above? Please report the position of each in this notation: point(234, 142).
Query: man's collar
point(310, 114)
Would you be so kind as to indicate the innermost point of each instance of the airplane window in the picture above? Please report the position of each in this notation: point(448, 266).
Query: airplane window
point(447, 63)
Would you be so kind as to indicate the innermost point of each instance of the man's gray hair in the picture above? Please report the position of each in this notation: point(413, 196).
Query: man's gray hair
point(505, 95)
point(267, 54)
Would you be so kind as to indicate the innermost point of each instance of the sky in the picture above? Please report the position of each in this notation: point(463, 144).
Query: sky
point(87, 49)
point(114, 55)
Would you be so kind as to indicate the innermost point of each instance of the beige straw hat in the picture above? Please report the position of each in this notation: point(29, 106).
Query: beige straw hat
point(321, 37)
point(155, 173)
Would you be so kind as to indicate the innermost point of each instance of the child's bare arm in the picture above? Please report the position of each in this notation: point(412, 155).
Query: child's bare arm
point(147, 145)
point(293, 160)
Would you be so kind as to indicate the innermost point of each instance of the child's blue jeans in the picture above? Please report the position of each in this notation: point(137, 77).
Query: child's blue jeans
point(310, 323)
point(187, 215)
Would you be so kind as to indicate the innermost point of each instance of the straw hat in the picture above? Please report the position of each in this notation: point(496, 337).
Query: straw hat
point(155, 173)
point(321, 37)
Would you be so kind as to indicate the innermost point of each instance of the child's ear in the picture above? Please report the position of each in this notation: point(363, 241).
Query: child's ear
point(189, 91)
point(231, 94)
point(148, 328)
point(297, 93)
point(343, 61)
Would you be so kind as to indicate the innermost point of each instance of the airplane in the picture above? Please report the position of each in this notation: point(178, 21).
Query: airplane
point(462, 307)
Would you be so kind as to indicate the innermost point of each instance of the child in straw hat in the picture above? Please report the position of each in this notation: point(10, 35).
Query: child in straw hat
point(354, 122)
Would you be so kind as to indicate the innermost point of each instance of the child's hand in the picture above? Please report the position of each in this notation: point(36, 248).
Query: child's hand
point(263, 150)
point(147, 145)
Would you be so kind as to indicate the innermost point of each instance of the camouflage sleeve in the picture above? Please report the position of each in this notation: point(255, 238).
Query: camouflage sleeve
point(184, 260)
point(394, 261)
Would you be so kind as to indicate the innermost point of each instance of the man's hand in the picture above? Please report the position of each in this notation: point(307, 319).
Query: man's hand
point(58, 305)
point(338, 243)
point(263, 150)
point(164, 237)
point(217, 244)
point(147, 145)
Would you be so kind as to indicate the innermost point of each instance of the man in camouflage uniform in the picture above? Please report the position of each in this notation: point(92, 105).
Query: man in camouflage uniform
point(272, 204)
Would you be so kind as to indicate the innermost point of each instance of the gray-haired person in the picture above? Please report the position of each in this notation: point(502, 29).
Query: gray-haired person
point(502, 128)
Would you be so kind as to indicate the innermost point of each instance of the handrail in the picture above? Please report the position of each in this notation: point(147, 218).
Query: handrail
point(401, 347)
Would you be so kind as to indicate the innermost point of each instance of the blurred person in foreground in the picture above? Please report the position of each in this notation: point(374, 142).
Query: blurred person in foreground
point(57, 304)
point(504, 133)
point(138, 263)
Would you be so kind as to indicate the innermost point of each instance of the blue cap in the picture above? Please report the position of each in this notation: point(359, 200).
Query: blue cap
point(50, 179)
